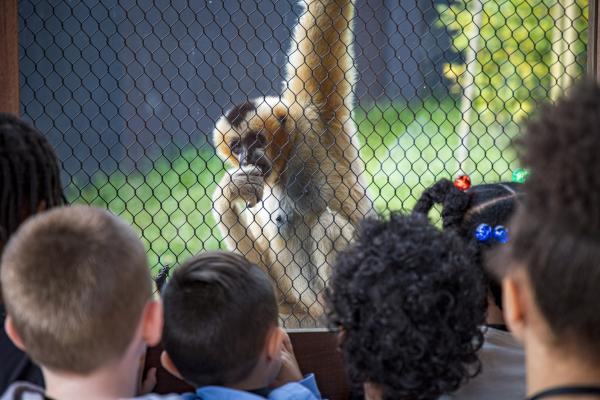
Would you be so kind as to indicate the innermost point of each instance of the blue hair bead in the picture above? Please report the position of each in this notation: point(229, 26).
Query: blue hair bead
point(483, 232)
point(501, 234)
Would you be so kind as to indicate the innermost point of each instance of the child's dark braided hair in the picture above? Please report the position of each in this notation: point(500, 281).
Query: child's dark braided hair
point(463, 211)
point(29, 174)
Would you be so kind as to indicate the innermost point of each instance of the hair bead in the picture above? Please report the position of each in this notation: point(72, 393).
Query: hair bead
point(483, 233)
point(520, 175)
point(501, 234)
point(463, 182)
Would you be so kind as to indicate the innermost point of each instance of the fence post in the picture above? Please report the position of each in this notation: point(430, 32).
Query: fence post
point(9, 57)
point(593, 40)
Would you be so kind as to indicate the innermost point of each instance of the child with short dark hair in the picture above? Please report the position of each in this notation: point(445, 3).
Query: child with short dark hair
point(221, 332)
point(409, 303)
point(79, 301)
point(550, 267)
point(29, 183)
point(467, 212)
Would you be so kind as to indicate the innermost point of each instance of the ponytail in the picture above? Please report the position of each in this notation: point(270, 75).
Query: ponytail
point(454, 203)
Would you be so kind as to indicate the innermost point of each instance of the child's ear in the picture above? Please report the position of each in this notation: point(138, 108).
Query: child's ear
point(167, 364)
point(513, 305)
point(153, 322)
point(12, 333)
point(274, 343)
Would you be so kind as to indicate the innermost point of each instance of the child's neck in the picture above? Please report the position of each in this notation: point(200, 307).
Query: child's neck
point(550, 368)
point(115, 381)
point(259, 378)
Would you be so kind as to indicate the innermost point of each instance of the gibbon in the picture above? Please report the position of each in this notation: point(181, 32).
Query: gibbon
point(295, 191)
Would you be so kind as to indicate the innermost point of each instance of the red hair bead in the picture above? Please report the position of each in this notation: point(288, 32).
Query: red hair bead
point(463, 182)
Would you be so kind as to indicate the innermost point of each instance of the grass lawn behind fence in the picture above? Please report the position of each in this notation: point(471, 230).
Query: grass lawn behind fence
point(405, 147)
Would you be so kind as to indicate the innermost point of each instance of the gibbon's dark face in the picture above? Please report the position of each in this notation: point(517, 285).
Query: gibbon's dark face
point(249, 149)
point(254, 133)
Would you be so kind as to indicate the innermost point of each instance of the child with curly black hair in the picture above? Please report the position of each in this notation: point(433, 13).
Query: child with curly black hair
point(550, 268)
point(466, 212)
point(409, 303)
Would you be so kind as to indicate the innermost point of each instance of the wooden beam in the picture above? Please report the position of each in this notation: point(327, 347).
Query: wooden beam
point(9, 57)
point(593, 55)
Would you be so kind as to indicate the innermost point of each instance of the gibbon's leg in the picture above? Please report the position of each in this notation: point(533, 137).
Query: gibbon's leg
point(353, 200)
point(294, 249)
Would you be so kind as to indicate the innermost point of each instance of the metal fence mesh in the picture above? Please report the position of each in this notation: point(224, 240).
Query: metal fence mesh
point(129, 92)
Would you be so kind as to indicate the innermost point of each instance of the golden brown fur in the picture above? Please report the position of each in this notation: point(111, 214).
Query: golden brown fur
point(313, 194)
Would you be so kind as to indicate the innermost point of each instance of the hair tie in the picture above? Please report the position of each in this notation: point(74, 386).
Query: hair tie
point(520, 175)
point(484, 233)
point(462, 183)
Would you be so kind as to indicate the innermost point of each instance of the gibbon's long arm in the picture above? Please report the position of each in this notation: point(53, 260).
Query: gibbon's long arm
point(320, 68)
point(321, 72)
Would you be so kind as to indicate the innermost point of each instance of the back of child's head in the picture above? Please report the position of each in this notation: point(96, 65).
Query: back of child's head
point(29, 174)
point(219, 308)
point(556, 235)
point(463, 211)
point(75, 282)
point(410, 304)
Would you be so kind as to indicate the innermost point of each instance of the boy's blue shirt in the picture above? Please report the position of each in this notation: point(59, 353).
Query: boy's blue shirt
point(306, 389)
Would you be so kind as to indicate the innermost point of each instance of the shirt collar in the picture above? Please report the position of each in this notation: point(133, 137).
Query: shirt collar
point(223, 393)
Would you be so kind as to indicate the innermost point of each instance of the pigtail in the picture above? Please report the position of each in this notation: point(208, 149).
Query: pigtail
point(454, 203)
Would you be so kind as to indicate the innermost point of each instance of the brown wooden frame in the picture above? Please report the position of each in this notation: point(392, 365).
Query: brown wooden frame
point(593, 61)
point(9, 57)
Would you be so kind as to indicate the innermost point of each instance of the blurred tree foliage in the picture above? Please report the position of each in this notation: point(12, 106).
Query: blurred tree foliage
point(516, 53)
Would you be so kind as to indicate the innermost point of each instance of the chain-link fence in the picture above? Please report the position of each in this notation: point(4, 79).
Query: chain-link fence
point(130, 91)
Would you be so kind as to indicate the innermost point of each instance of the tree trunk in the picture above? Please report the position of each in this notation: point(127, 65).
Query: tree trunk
point(564, 68)
point(469, 86)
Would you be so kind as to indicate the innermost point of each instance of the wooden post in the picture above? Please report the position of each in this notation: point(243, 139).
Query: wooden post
point(9, 57)
point(593, 55)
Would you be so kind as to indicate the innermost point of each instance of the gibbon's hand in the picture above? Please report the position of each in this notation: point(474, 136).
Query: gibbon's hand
point(290, 370)
point(246, 183)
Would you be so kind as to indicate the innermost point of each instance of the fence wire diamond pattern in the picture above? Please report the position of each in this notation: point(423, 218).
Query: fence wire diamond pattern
point(129, 92)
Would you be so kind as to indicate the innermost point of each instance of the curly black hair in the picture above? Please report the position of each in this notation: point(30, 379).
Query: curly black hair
point(463, 211)
point(410, 306)
point(556, 235)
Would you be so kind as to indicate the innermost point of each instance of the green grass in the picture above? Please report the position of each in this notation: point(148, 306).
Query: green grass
point(170, 206)
point(405, 147)
point(408, 147)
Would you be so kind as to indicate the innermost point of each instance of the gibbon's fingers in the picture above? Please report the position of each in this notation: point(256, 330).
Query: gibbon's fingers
point(251, 170)
point(249, 187)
